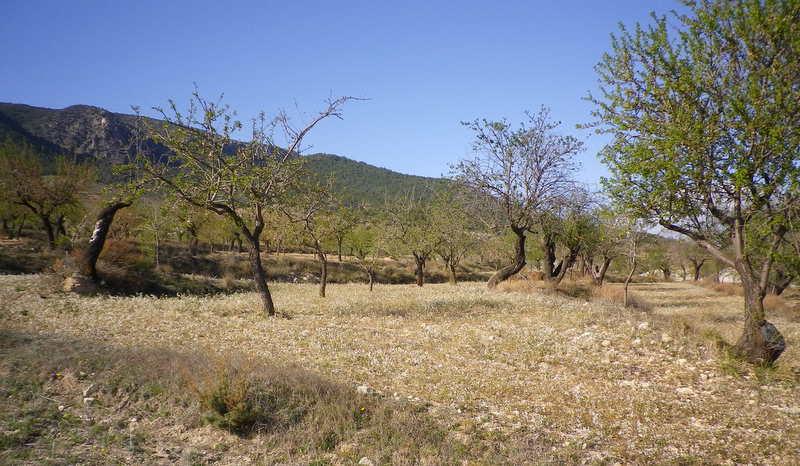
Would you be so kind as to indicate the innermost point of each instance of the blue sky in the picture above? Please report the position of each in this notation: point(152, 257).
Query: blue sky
point(424, 65)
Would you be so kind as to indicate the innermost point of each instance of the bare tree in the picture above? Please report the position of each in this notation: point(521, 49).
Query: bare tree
point(207, 168)
point(519, 172)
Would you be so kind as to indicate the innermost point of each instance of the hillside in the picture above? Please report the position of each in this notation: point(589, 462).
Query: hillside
point(107, 139)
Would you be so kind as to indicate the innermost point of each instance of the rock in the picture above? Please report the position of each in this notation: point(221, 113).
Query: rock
point(773, 340)
point(365, 462)
point(644, 325)
point(684, 391)
point(363, 389)
point(665, 338)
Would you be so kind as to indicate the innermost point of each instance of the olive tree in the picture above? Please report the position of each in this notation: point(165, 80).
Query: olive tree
point(518, 173)
point(704, 110)
point(242, 181)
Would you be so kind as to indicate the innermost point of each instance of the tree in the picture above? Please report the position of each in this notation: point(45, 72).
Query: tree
point(705, 118)
point(410, 231)
point(365, 241)
point(518, 173)
point(48, 196)
point(312, 206)
point(633, 237)
point(568, 224)
point(452, 226)
point(207, 168)
point(607, 235)
point(342, 222)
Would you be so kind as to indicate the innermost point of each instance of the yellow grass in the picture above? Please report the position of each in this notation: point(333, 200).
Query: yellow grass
point(542, 378)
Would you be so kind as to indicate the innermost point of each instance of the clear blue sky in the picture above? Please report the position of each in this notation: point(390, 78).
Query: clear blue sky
point(425, 65)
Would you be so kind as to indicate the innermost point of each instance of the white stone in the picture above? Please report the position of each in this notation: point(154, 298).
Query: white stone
point(366, 462)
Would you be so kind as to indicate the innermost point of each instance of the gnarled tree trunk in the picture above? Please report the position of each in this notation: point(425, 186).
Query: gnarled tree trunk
point(518, 264)
point(451, 267)
point(599, 274)
point(87, 263)
point(419, 270)
point(760, 342)
point(260, 276)
point(323, 273)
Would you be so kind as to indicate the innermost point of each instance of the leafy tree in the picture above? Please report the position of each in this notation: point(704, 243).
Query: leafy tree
point(518, 174)
point(567, 223)
point(365, 240)
point(705, 117)
point(207, 168)
point(605, 240)
point(313, 207)
point(50, 197)
point(453, 227)
point(410, 231)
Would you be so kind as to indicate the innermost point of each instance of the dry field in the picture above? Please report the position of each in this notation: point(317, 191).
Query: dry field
point(505, 376)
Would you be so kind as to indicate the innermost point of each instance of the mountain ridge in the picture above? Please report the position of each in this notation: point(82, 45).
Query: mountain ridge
point(106, 138)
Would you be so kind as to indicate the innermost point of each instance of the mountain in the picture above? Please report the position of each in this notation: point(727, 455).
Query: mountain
point(106, 139)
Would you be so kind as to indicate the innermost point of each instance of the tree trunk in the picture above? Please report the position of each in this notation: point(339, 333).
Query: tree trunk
point(87, 264)
point(323, 273)
point(451, 267)
point(339, 240)
point(260, 276)
point(193, 245)
point(627, 282)
point(519, 261)
point(760, 342)
point(666, 272)
point(548, 268)
point(60, 229)
point(419, 270)
point(781, 282)
point(47, 226)
point(20, 227)
point(600, 276)
point(564, 266)
point(371, 278)
point(698, 267)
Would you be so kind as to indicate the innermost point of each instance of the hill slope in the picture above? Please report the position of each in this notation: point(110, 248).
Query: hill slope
point(107, 139)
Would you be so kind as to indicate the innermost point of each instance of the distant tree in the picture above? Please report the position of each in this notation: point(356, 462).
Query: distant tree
point(518, 173)
point(606, 236)
point(312, 206)
point(410, 231)
point(567, 223)
point(207, 168)
point(705, 117)
point(455, 229)
point(50, 197)
point(343, 220)
point(634, 234)
point(365, 242)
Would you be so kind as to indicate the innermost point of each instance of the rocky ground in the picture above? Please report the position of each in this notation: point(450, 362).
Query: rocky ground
point(554, 379)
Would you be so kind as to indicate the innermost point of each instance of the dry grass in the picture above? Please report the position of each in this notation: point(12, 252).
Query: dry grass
point(511, 377)
point(615, 294)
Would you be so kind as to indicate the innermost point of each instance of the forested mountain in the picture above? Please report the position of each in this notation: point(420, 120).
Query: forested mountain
point(107, 139)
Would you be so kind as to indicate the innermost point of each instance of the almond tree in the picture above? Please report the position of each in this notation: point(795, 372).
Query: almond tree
point(518, 173)
point(49, 196)
point(242, 181)
point(705, 117)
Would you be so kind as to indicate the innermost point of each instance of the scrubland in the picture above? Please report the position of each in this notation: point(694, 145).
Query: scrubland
point(403, 375)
